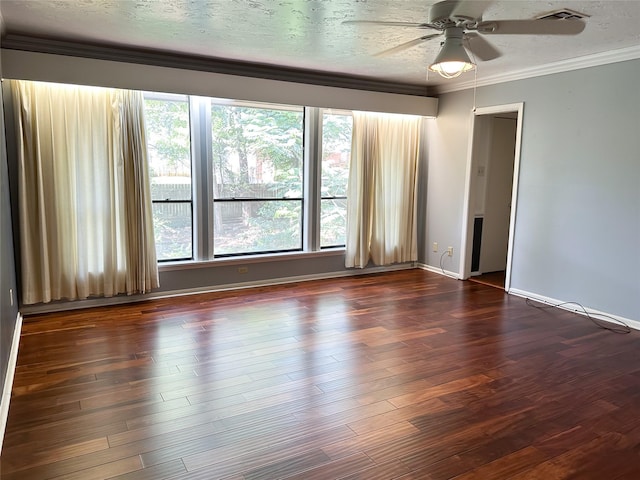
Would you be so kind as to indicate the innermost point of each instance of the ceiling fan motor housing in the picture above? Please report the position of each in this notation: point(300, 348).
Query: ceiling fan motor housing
point(442, 16)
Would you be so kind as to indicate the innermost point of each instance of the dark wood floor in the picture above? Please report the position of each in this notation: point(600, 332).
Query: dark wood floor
point(492, 279)
point(407, 375)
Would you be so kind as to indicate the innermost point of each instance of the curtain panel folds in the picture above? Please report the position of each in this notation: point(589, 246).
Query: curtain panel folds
point(84, 194)
point(382, 189)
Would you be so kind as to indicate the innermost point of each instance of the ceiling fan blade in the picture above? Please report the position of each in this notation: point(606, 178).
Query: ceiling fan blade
point(531, 27)
point(387, 24)
point(480, 47)
point(406, 45)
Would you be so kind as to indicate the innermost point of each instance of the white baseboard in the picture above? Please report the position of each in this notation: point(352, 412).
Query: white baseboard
point(8, 380)
point(573, 307)
point(437, 270)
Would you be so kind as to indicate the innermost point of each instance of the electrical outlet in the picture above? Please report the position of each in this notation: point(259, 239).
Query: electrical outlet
point(450, 251)
point(11, 296)
point(435, 246)
point(243, 269)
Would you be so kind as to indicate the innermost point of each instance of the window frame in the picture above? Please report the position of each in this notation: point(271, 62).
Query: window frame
point(327, 111)
point(173, 97)
point(213, 200)
point(202, 178)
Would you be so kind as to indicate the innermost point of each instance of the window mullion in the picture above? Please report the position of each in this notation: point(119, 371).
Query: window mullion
point(202, 183)
point(312, 176)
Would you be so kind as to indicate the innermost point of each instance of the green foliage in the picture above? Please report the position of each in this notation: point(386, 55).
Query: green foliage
point(336, 147)
point(333, 222)
point(256, 146)
point(258, 152)
point(264, 226)
point(172, 231)
point(168, 137)
point(336, 134)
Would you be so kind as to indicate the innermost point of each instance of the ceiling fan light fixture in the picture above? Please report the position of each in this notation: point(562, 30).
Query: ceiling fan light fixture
point(451, 69)
point(453, 60)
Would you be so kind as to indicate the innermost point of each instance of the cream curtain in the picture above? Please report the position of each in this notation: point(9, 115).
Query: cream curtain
point(381, 194)
point(84, 195)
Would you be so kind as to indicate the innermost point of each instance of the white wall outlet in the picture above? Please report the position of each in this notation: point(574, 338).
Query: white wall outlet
point(450, 251)
point(243, 269)
point(435, 246)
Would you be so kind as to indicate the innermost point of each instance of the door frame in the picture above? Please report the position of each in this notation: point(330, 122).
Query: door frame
point(470, 185)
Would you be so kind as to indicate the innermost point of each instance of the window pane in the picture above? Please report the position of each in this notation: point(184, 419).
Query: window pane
point(169, 151)
point(336, 152)
point(257, 153)
point(172, 229)
point(259, 226)
point(333, 222)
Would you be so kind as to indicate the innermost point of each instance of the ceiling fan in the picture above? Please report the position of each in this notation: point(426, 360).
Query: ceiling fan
point(463, 28)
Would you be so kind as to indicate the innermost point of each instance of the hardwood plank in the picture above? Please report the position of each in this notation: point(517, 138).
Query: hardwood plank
point(407, 374)
point(369, 440)
point(154, 472)
point(439, 390)
point(385, 471)
point(235, 458)
point(506, 466)
point(333, 468)
point(107, 470)
point(15, 458)
point(286, 467)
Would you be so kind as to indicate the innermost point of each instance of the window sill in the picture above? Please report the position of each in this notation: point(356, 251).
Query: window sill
point(243, 260)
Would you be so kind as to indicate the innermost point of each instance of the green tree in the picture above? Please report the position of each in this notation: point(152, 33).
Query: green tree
point(169, 153)
point(167, 129)
point(257, 152)
point(336, 148)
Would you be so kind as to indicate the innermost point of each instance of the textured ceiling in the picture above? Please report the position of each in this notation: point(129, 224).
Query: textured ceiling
point(311, 35)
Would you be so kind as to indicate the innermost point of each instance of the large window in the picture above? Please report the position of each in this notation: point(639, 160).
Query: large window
point(257, 179)
point(229, 178)
point(168, 139)
point(336, 149)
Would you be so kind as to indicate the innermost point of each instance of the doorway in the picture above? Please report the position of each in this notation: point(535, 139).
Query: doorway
point(491, 195)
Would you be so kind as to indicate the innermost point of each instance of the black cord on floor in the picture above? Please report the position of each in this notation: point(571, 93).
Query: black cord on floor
point(601, 320)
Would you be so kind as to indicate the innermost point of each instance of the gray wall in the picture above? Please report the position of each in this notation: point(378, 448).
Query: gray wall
point(577, 230)
point(447, 152)
point(8, 312)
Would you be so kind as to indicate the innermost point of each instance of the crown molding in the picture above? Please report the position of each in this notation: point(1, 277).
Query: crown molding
point(597, 59)
point(207, 64)
point(312, 77)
